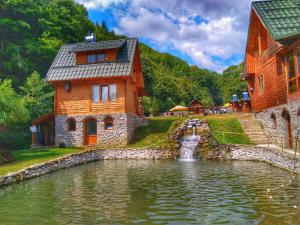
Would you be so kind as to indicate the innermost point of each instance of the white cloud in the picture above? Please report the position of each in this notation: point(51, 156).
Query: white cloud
point(98, 4)
point(210, 43)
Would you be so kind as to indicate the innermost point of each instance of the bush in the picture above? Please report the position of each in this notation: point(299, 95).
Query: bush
point(18, 138)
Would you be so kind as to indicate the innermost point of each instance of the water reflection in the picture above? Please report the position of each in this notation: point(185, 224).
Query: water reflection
point(155, 192)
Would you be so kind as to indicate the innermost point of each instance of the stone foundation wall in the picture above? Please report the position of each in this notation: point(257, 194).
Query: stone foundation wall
point(254, 153)
point(85, 157)
point(124, 126)
point(279, 134)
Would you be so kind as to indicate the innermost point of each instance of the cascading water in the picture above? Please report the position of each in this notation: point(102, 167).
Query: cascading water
point(188, 146)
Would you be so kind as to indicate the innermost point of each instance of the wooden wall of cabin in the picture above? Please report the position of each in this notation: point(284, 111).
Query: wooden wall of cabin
point(110, 56)
point(79, 100)
point(131, 97)
point(264, 60)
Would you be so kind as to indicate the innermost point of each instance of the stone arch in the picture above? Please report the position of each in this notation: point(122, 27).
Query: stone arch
point(287, 119)
point(273, 117)
point(71, 124)
point(108, 123)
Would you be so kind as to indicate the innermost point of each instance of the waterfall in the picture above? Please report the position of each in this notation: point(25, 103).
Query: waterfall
point(188, 147)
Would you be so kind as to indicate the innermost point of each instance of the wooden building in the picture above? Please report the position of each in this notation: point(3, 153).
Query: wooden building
point(197, 107)
point(272, 67)
point(98, 92)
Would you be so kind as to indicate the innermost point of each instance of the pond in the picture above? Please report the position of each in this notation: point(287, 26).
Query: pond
point(155, 192)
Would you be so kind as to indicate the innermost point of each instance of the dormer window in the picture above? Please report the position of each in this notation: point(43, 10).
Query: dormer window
point(95, 58)
point(91, 59)
point(101, 57)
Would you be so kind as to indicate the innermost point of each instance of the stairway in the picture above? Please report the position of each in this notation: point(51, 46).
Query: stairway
point(253, 129)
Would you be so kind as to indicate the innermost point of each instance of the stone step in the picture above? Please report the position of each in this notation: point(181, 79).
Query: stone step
point(253, 129)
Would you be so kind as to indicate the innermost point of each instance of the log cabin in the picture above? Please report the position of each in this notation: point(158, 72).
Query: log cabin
point(197, 107)
point(272, 68)
point(98, 94)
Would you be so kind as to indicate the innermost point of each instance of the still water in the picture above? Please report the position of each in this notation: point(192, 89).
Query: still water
point(155, 192)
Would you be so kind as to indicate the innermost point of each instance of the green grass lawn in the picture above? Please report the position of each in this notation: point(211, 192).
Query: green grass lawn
point(28, 157)
point(155, 135)
point(226, 129)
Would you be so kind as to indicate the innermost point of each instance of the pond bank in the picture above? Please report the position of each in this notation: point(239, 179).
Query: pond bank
point(85, 157)
point(232, 152)
point(254, 153)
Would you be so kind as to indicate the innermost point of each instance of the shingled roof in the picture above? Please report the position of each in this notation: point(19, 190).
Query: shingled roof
point(281, 17)
point(64, 65)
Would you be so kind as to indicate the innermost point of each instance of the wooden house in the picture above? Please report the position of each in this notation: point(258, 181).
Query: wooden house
point(235, 104)
point(272, 67)
point(196, 106)
point(98, 93)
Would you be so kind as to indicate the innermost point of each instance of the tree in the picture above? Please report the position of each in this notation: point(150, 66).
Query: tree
point(154, 110)
point(14, 116)
point(37, 95)
point(104, 27)
point(12, 107)
point(231, 82)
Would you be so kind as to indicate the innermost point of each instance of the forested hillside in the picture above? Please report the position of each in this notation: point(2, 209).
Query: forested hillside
point(31, 33)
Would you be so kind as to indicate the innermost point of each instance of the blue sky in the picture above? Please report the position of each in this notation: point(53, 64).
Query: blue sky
point(207, 33)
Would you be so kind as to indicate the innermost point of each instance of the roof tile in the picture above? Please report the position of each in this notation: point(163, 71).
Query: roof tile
point(64, 66)
point(281, 17)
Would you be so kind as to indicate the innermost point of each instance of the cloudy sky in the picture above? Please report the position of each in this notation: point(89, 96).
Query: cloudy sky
point(209, 33)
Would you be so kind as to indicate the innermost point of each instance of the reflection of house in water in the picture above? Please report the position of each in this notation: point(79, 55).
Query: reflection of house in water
point(99, 193)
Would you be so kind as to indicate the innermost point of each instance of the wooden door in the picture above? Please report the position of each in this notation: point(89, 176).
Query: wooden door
point(91, 132)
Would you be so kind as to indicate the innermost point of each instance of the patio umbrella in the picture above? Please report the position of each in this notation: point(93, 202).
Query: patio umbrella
point(179, 108)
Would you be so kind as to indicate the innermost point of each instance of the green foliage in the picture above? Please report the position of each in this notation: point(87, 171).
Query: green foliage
point(33, 31)
point(38, 95)
point(12, 107)
point(13, 115)
point(231, 83)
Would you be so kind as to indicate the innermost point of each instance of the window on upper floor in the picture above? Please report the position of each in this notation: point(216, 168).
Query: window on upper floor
point(101, 57)
point(293, 60)
point(96, 93)
point(291, 68)
point(261, 84)
point(298, 59)
point(91, 59)
point(113, 92)
point(109, 93)
point(279, 64)
point(95, 58)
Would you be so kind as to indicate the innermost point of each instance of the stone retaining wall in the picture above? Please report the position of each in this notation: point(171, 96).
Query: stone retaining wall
point(233, 152)
point(278, 133)
point(254, 153)
point(85, 157)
